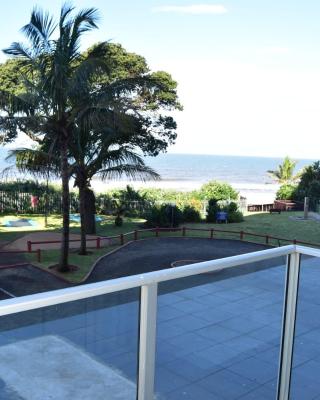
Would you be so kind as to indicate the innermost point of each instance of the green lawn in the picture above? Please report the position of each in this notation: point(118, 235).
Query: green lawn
point(105, 228)
point(263, 223)
point(279, 225)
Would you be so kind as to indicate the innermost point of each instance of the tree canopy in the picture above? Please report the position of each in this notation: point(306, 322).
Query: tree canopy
point(91, 113)
point(218, 191)
point(309, 185)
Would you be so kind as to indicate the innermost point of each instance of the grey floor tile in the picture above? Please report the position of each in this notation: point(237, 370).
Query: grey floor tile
point(260, 393)
point(217, 333)
point(227, 385)
point(167, 381)
point(190, 370)
point(192, 392)
point(242, 325)
point(255, 369)
point(191, 341)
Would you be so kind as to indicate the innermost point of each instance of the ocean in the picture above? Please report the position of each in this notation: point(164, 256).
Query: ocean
point(189, 171)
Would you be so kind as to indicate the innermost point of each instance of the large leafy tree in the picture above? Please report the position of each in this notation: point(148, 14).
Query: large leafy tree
point(51, 101)
point(128, 109)
point(309, 185)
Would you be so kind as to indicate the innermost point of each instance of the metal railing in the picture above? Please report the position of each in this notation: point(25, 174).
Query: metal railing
point(148, 306)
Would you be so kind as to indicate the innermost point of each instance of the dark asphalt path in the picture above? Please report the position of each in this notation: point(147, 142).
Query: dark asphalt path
point(138, 257)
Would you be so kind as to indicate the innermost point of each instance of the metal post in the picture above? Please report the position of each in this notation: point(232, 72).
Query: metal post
point(288, 326)
point(135, 235)
point(184, 231)
point(147, 341)
point(306, 208)
point(38, 255)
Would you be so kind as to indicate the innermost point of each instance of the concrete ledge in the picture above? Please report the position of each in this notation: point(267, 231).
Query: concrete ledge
point(49, 367)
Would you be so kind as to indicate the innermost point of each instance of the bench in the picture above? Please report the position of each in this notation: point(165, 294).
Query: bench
point(275, 210)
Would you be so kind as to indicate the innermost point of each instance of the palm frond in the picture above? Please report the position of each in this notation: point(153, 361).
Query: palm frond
point(34, 161)
point(19, 50)
point(84, 21)
point(131, 171)
point(39, 30)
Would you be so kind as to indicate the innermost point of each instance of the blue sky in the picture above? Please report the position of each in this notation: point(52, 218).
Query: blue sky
point(248, 70)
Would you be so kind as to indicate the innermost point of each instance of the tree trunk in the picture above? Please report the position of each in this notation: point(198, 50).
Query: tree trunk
point(83, 245)
point(46, 204)
point(89, 212)
point(63, 262)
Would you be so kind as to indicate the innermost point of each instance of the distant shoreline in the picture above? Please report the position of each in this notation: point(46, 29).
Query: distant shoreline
point(255, 193)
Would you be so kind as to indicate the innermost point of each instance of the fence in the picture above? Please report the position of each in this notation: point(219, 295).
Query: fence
point(210, 233)
point(20, 202)
point(29, 251)
point(148, 284)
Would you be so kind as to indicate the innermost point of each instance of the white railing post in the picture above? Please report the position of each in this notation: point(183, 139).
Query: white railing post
point(147, 341)
point(288, 326)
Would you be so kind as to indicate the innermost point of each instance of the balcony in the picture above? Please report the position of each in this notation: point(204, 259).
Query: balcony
point(233, 328)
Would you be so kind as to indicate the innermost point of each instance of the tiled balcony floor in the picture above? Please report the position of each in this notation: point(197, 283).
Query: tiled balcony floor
point(219, 340)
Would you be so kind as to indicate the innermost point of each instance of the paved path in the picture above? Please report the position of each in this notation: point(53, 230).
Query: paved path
point(136, 257)
point(159, 253)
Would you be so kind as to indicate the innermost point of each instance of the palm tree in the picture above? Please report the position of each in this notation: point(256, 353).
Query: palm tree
point(51, 103)
point(284, 174)
point(93, 158)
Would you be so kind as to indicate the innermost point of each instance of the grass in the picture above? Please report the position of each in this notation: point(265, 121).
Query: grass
point(280, 225)
point(105, 228)
point(84, 263)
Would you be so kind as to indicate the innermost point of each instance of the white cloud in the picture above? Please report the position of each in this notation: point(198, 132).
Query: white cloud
point(193, 9)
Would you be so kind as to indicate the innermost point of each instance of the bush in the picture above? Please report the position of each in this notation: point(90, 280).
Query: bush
point(234, 215)
point(232, 207)
point(191, 214)
point(118, 220)
point(212, 210)
point(286, 192)
point(165, 216)
point(218, 191)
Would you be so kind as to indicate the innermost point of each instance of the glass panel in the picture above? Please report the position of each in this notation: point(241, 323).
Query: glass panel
point(219, 334)
point(305, 381)
point(83, 350)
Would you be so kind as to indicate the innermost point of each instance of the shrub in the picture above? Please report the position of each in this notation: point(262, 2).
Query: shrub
point(218, 191)
point(212, 210)
point(286, 192)
point(191, 214)
point(232, 207)
point(164, 216)
point(118, 220)
point(234, 215)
